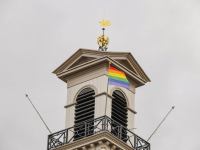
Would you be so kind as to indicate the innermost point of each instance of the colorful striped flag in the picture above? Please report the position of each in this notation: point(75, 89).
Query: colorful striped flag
point(118, 78)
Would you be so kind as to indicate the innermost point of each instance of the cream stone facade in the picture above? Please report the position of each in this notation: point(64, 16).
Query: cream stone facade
point(99, 84)
point(90, 68)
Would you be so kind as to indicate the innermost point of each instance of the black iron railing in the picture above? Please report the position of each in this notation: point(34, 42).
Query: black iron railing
point(95, 126)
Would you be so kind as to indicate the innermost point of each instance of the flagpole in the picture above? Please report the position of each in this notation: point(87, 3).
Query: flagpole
point(158, 127)
point(160, 123)
point(107, 88)
point(38, 113)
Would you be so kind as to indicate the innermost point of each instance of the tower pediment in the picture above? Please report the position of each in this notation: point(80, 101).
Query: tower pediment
point(85, 58)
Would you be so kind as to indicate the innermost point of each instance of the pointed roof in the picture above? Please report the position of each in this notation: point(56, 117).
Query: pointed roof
point(84, 58)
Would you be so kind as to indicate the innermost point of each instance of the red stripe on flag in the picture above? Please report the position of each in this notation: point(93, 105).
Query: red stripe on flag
point(111, 68)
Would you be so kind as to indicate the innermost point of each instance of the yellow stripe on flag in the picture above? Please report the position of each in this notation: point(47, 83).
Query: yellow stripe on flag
point(117, 72)
point(117, 75)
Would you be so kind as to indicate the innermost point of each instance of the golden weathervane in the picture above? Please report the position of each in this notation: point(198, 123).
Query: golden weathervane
point(105, 23)
point(103, 40)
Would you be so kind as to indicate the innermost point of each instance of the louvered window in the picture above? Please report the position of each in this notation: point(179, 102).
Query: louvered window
point(119, 111)
point(84, 110)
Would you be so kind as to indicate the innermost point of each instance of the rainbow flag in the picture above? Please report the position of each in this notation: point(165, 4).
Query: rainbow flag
point(118, 78)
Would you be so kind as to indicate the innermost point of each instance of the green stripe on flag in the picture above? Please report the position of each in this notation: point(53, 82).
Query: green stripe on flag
point(117, 78)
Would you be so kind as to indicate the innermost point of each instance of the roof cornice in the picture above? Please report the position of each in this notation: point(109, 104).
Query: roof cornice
point(95, 62)
point(101, 54)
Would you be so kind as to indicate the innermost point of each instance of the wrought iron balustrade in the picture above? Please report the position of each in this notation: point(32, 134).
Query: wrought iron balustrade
point(95, 126)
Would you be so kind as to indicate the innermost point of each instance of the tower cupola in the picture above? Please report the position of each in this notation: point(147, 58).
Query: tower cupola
point(99, 115)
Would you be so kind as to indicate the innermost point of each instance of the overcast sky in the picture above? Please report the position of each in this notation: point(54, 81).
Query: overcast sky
point(36, 36)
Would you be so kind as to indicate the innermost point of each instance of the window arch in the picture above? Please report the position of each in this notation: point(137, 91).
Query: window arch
point(84, 110)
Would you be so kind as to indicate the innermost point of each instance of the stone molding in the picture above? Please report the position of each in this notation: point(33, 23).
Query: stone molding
point(97, 95)
point(77, 70)
point(131, 110)
point(88, 65)
point(69, 105)
point(96, 142)
point(127, 56)
point(103, 93)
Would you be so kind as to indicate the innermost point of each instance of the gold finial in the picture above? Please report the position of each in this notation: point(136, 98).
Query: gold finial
point(103, 40)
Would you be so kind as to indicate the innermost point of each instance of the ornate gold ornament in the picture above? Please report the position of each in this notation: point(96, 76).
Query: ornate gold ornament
point(103, 40)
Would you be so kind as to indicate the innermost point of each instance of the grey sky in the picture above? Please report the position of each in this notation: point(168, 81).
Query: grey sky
point(36, 36)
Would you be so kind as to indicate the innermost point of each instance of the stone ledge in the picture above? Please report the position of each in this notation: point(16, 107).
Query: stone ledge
point(69, 105)
point(133, 111)
point(103, 93)
point(103, 139)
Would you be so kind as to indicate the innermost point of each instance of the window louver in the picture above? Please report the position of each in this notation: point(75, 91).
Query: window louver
point(84, 110)
point(119, 112)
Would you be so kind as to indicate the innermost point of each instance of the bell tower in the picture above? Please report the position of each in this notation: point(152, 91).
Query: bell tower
point(99, 116)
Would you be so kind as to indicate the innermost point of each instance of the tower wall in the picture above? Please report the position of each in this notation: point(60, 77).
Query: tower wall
point(99, 85)
point(89, 69)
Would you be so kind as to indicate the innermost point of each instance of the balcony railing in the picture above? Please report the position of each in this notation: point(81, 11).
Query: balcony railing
point(95, 126)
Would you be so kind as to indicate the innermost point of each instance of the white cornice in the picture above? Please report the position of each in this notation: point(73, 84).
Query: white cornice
point(99, 54)
point(90, 64)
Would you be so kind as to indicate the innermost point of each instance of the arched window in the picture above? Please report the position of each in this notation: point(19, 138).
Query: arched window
point(119, 113)
point(119, 110)
point(84, 110)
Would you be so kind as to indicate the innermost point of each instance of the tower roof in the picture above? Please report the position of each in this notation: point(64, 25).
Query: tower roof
point(85, 58)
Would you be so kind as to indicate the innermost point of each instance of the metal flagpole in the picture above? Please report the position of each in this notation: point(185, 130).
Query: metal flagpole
point(160, 123)
point(38, 113)
point(107, 88)
point(158, 126)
